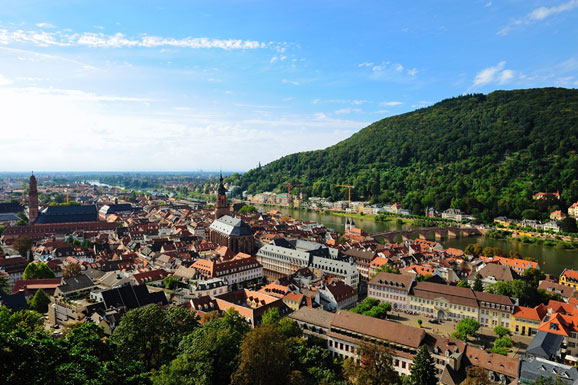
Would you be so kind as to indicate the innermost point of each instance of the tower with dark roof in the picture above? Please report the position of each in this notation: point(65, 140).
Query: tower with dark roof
point(221, 207)
point(33, 200)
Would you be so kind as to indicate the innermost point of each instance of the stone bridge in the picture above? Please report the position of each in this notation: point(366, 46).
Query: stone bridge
point(427, 232)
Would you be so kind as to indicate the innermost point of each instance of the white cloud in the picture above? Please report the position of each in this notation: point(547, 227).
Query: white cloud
point(492, 74)
point(422, 104)
point(544, 12)
point(506, 76)
point(390, 71)
point(347, 111)
point(4, 81)
point(119, 40)
point(292, 82)
point(488, 4)
point(390, 104)
point(45, 25)
point(539, 14)
point(278, 58)
point(358, 102)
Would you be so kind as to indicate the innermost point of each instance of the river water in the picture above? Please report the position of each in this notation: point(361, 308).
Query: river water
point(551, 259)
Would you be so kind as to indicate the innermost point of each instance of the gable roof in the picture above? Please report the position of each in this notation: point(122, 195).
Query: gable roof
point(132, 297)
point(66, 214)
point(231, 226)
point(378, 328)
point(70, 285)
point(545, 344)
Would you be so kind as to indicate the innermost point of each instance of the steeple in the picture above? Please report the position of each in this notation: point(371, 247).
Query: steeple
point(221, 208)
point(32, 200)
point(221, 190)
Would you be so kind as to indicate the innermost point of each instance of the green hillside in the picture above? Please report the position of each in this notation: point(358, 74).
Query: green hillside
point(485, 154)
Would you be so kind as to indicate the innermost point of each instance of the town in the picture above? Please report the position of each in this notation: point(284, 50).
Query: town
point(105, 251)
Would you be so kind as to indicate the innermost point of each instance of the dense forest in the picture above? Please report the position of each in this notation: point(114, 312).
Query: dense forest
point(485, 154)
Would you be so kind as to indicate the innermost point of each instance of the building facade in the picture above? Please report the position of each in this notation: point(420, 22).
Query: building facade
point(286, 257)
point(392, 288)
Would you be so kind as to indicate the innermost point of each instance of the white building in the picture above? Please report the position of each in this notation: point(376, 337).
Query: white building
point(285, 257)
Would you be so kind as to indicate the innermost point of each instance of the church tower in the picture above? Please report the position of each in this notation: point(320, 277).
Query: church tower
point(32, 200)
point(221, 208)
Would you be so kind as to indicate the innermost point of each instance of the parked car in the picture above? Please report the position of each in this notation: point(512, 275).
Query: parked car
point(436, 321)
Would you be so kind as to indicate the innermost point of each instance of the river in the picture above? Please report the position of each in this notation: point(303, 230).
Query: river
point(551, 259)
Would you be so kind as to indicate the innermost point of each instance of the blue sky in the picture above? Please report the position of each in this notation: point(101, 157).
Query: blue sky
point(188, 85)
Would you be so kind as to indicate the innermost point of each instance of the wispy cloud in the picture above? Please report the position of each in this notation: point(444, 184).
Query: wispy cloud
point(539, 14)
point(119, 40)
point(493, 74)
point(389, 71)
point(390, 104)
point(278, 58)
point(347, 111)
point(292, 82)
point(78, 95)
point(45, 25)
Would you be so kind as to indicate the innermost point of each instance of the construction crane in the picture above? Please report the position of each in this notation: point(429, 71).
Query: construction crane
point(289, 185)
point(349, 187)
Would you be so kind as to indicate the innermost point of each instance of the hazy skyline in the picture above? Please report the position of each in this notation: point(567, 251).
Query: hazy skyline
point(183, 85)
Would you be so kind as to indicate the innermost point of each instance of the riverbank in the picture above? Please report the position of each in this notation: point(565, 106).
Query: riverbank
point(544, 240)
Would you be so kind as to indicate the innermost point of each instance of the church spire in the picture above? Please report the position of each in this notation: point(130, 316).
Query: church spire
point(32, 200)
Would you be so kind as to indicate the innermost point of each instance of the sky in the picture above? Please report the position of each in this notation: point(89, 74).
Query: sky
point(208, 85)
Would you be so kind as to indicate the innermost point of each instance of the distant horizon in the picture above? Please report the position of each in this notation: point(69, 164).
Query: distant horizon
point(122, 172)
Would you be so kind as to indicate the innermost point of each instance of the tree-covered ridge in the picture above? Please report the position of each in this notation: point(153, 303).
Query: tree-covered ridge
point(485, 154)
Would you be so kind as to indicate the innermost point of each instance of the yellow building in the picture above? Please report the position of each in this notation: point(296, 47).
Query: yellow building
point(443, 301)
point(526, 320)
point(569, 278)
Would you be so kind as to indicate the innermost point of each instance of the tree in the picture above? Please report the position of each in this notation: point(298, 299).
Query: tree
point(247, 209)
point(478, 285)
point(387, 269)
point(4, 284)
point(549, 381)
point(311, 358)
point(37, 270)
point(271, 317)
point(375, 367)
point(419, 322)
point(568, 225)
point(464, 283)
point(71, 270)
point(476, 376)
point(22, 245)
point(474, 249)
point(170, 282)
point(533, 276)
point(208, 355)
point(264, 358)
point(39, 302)
point(501, 331)
point(423, 371)
point(467, 327)
point(152, 335)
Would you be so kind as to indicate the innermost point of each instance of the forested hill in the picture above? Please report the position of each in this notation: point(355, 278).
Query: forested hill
point(485, 154)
